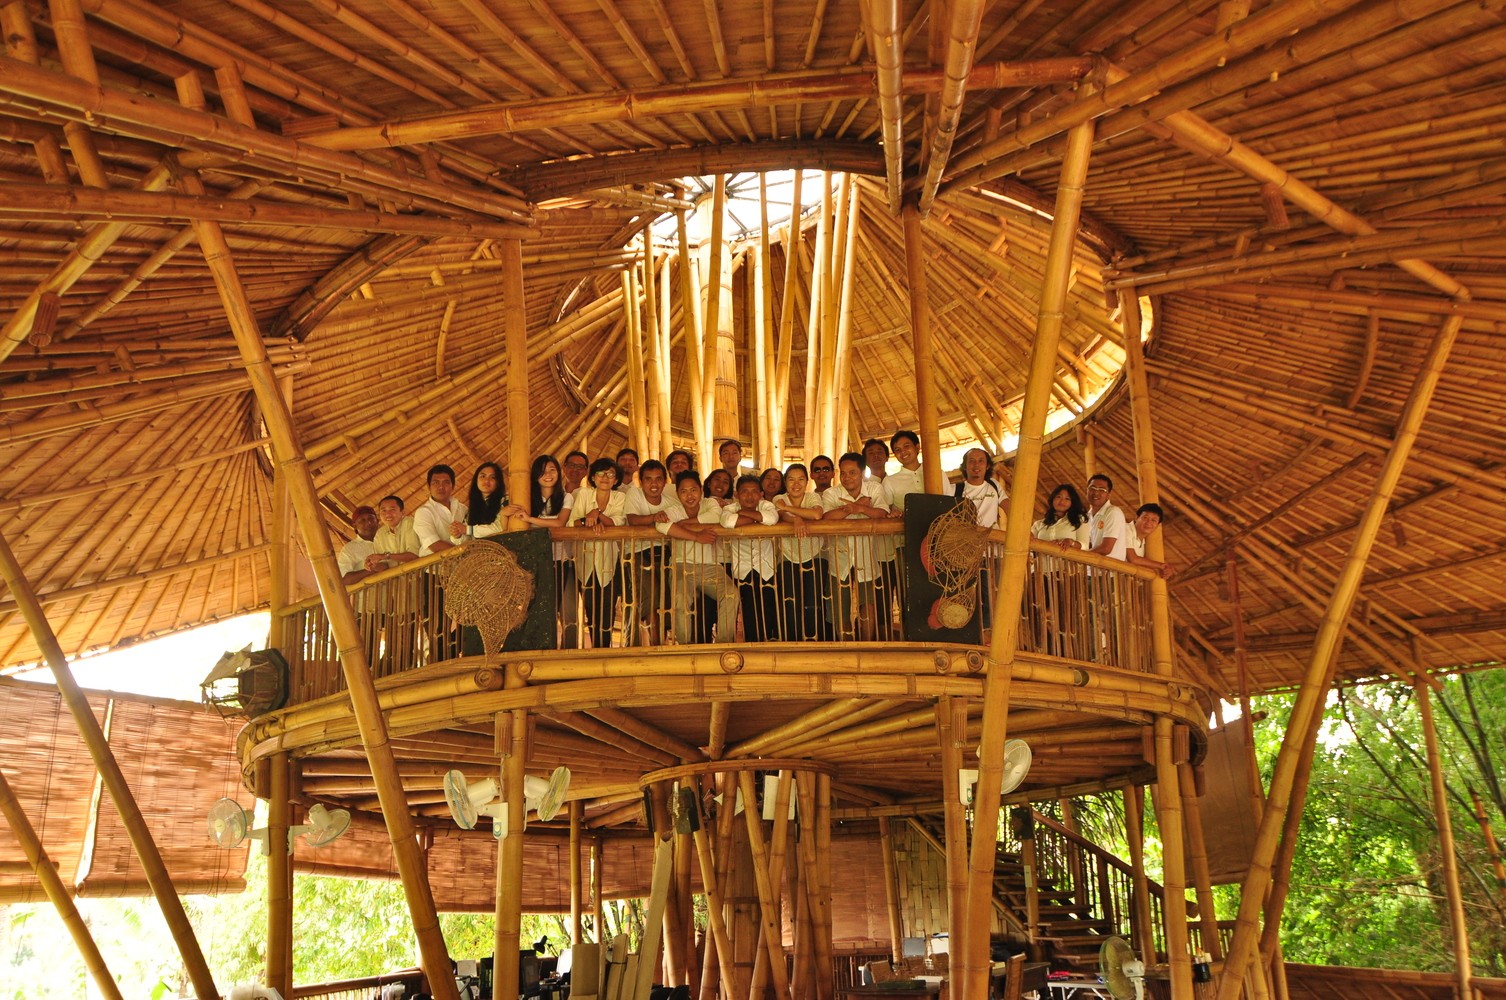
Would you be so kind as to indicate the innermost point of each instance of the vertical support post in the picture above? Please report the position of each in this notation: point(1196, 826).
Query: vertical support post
point(786, 332)
point(758, 344)
point(694, 348)
point(638, 418)
point(1457, 925)
point(57, 892)
point(820, 286)
point(1169, 817)
point(923, 349)
point(1197, 855)
point(951, 731)
point(280, 877)
point(715, 917)
point(111, 775)
point(768, 897)
point(576, 910)
point(515, 333)
point(1140, 915)
point(1005, 641)
point(721, 347)
point(512, 742)
point(891, 896)
point(1289, 780)
point(280, 554)
point(842, 342)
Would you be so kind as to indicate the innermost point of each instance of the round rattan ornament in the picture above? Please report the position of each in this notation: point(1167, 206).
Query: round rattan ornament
point(486, 587)
point(952, 553)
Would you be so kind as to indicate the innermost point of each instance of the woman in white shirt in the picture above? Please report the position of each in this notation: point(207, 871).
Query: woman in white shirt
point(1067, 524)
point(599, 504)
point(801, 583)
point(549, 507)
point(487, 509)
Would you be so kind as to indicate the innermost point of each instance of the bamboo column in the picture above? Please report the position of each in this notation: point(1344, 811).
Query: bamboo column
point(758, 348)
point(57, 892)
point(842, 340)
point(820, 285)
point(1005, 641)
point(1288, 783)
point(951, 732)
point(1457, 924)
point(638, 417)
point(655, 358)
point(891, 896)
point(1197, 855)
point(1028, 867)
point(515, 337)
point(694, 349)
point(288, 454)
point(829, 382)
point(110, 774)
point(1169, 816)
point(721, 360)
point(768, 897)
point(793, 242)
point(280, 552)
point(923, 350)
point(512, 740)
point(1140, 912)
point(279, 877)
point(575, 873)
point(1492, 848)
point(715, 918)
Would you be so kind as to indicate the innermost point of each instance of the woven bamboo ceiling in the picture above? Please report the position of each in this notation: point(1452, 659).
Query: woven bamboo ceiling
point(1302, 190)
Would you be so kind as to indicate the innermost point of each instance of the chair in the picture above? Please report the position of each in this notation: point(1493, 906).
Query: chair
point(1014, 978)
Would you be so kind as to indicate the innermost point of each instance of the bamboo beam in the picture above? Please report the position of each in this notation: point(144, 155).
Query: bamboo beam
point(279, 877)
point(644, 733)
point(288, 454)
point(923, 350)
point(57, 892)
point(1458, 927)
point(65, 201)
point(962, 38)
point(110, 774)
point(886, 46)
point(1005, 640)
point(1288, 786)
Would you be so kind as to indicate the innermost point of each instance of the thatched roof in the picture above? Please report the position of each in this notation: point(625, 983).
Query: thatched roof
point(1274, 183)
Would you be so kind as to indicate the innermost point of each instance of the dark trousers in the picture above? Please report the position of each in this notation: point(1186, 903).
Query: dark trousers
point(800, 588)
point(599, 600)
point(760, 602)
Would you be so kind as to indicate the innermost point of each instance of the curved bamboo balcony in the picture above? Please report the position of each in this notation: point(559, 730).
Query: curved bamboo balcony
point(867, 712)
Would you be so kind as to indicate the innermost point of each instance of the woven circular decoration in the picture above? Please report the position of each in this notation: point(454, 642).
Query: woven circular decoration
point(486, 587)
point(952, 554)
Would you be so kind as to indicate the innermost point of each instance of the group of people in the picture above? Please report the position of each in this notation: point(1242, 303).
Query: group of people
point(707, 573)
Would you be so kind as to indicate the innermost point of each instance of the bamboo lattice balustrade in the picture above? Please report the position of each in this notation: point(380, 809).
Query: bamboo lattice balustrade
point(1300, 193)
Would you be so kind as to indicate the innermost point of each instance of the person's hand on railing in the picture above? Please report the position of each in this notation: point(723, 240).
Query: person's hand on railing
point(457, 529)
point(513, 510)
point(800, 529)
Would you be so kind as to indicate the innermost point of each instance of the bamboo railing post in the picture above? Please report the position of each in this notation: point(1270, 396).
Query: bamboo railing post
point(279, 877)
point(576, 909)
point(1458, 927)
point(951, 732)
point(1005, 641)
point(1169, 816)
point(891, 896)
point(515, 336)
point(512, 743)
point(768, 898)
point(923, 351)
point(288, 454)
point(694, 349)
point(57, 892)
point(1197, 855)
point(1288, 783)
point(1140, 914)
point(110, 774)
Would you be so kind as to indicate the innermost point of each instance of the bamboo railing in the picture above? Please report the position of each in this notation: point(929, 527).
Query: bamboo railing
point(1076, 605)
point(360, 987)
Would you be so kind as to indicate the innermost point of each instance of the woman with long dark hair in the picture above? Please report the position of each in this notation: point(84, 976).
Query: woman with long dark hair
point(1061, 616)
point(487, 508)
point(1066, 520)
point(549, 507)
point(599, 505)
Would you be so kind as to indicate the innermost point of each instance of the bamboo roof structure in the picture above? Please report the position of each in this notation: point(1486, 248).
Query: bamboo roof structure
point(1300, 195)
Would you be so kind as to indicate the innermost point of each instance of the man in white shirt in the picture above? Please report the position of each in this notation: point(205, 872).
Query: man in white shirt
point(988, 497)
point(395, 541)
point(854, 564)
point(823, 470)
point(1106, 522)
point(731, 454)
point(352, 558)
point(574, 470)
point(440, 522)
point(1147, 520)
point(898, 485)
point(696, 562)
point(753, 560)
point(627, 467)
point(648, 591)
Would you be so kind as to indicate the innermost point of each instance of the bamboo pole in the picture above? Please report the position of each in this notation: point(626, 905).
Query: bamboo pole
point(815, 802)
point(1492, 848)
point(110, 775)
point(1169, 815)
point(951, 733)
point(694, 349)
point(288, 455)
point(759, 292)
point(515, 348)
point(576, 908)
point(715, 917)
point(923, 350)
point(1458, 927)
point(966, 17)
point(793, 243)
point(1005, 640)
point(512, 739)
point(886, 46)
point(57, 892)
point(768, 898)
point(842, 338)
point(1197, 855)
point(638, 416)
point(721, 352)
point(1140, 912)
point(280, 877)
point(891, 895)
point(655, 359)
point(820, 287)
point(1288, 786)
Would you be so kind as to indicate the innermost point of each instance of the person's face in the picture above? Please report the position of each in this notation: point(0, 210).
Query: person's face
point(689, 495)
point(652, 483)
point(795, 482)
point(486, 480)
point(731, 455)
point(821, 474)
point(852, 477)
point(748, 495)
point(365, 523)
point(875, 455)
point(389, 512)
point(721, 484)
point(605, 479)
point(1098, 493)
point(441, 487)
point(1147, 523)
point(628, 464)
point(772, 483)
point(575, 470)
point(1061, 501)
point(975, 465)
point(678, 463)
point(550, 476)
point(905, 451)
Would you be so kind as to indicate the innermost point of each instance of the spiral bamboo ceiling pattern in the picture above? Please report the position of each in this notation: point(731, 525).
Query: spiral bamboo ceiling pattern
point(1302, 191)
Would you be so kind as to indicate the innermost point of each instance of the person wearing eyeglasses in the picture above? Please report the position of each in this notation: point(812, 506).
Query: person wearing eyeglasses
point(823, 471)
point(1106, 532)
